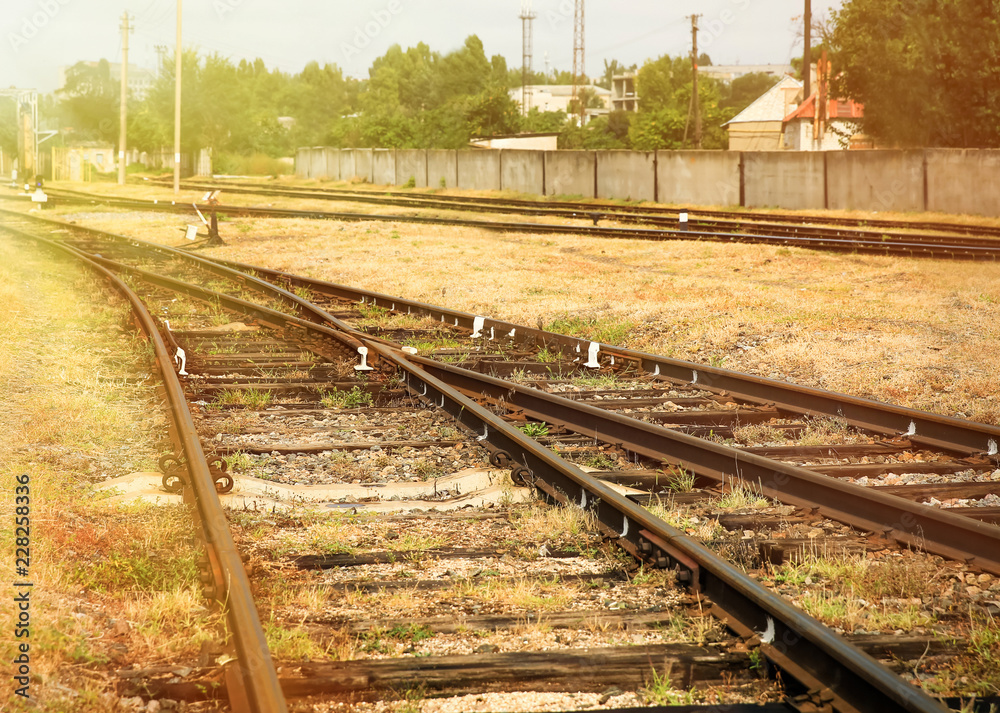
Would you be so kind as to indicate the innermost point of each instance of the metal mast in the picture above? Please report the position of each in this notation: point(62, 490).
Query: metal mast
point(578, 56)
point(526, 17)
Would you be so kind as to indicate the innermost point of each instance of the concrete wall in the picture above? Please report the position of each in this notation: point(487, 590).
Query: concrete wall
point(963, 181)
point(347, 171)
point(411, 163)
point(941, 180)
point(479, 169)
point(363, 164)
point(570, 173)
point(784, 179)
point(383, 167)
point(626, 174)
point(522, 171)
point(875, 180)
point(302, 162)
point(442, 163)
point(332, 159)
point(698, 177)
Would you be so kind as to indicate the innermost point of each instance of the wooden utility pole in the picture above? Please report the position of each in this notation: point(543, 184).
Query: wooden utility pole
point(694, 81)
point(177, 106)
point(807, 53)
point(123, 125)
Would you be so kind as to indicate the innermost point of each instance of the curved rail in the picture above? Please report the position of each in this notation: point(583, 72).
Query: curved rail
point(252, 682)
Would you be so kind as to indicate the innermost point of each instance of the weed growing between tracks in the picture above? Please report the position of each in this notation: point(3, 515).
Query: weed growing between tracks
point(113, 586)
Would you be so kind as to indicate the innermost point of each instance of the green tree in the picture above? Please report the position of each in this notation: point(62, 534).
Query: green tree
point(744, 91)
point(925, 70)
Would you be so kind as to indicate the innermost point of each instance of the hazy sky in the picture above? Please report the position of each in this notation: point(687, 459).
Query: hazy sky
point(39, 36)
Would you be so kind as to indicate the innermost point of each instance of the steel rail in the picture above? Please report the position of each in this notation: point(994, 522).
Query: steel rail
point(585, 209)
point(740, 225)
point(252, 682)
point(830, 670)
point(966, 438)
point(940, 250)
point(895, 518)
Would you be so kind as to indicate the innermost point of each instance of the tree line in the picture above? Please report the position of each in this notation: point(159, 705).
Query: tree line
point(412, 98)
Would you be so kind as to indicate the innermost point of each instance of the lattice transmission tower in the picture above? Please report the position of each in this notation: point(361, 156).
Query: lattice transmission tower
point(526, 17)
point(579, 69)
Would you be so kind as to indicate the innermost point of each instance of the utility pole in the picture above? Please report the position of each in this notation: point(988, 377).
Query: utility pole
point(123, 126)
point(177, 106)
point(694, 81)
point(807, 53)
point(578, 57)
point(526, 17)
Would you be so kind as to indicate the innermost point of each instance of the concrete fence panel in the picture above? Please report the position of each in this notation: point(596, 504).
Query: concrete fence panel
point(570, 173)
point(442, 168)
point(302, 162)
point(963, 181)
point(383, 167)
point(332, 160)
point(479, 170)
point(362, 165)
point(317, 162)
point(522, 171)
point(626, 175)
point(411, 163)
point(875, 180)
point(347, 169)
point(784, 179)
point(698, 177)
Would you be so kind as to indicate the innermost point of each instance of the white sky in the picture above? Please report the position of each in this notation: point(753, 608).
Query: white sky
point(39, 36)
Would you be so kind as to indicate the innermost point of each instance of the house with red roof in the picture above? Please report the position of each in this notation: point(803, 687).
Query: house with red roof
point(821, 124)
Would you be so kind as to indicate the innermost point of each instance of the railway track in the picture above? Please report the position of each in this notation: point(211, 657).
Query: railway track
point(283, 397)
point(813, 237)
point(651, 214)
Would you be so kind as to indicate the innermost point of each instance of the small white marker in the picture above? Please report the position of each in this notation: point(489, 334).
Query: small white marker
point(181, 357)
point(767, 636)
point(992, 451)
point(410, 350)
point(612, 360)
point(477, 327)
point(592, 353)
point(682, 220)
point(363, 366)
point(192, 232)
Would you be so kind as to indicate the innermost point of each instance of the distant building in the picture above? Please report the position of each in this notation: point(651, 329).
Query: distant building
point(841, 126)
point(140, 80)
point(729, 72)
point(623, 96)
point(556, 97)
point(760, 127)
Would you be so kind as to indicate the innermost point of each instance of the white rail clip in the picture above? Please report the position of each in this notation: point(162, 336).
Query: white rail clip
point(181, 358)
point(477, 327)
point(363, 366)
point(592, 353)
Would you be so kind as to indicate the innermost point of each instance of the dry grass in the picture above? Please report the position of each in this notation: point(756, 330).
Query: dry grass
point(112, 586)
point(919, 333)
